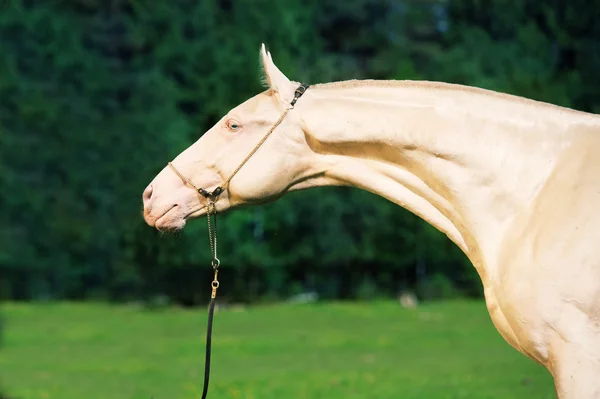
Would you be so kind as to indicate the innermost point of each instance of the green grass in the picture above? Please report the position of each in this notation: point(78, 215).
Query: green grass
point(350, 351)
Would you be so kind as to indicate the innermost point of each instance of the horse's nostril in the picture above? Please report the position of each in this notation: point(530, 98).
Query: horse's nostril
point(147, 194)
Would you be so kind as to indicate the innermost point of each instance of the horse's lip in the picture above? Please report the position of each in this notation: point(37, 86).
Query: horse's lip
point(164, 214)
point(197, 210)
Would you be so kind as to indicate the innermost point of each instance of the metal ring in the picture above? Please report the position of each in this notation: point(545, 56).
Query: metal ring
point(216, 263)
point(215, 284)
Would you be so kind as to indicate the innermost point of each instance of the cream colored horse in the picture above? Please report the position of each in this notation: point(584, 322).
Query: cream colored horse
point(513, 182)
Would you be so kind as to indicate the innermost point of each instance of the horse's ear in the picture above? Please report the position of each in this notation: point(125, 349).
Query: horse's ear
point(273, 78)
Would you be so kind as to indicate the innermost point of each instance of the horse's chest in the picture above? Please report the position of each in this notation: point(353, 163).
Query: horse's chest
point(520, 326)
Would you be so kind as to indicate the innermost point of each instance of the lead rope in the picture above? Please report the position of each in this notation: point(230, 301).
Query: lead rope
point(212, 237)
point(212, 228)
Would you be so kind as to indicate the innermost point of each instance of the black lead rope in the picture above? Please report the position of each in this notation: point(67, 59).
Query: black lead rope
point(211, 310)
point(212, 233)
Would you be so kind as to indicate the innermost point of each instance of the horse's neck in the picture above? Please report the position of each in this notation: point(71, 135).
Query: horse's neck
point(466, 162)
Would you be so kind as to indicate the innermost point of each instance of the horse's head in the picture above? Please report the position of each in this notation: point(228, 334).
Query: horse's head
point(282, 163)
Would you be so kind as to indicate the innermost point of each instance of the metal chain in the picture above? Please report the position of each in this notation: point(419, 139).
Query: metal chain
point(212, 237)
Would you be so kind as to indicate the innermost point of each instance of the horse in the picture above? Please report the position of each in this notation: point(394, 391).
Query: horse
point(513, 182)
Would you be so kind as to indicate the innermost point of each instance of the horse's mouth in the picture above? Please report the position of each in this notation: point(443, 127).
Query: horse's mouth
point(169, 221)
point(198, 212)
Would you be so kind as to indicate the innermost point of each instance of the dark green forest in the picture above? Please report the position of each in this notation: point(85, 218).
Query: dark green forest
point(96, 96)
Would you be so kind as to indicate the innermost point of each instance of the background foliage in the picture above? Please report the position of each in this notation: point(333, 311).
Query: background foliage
point(97, 95)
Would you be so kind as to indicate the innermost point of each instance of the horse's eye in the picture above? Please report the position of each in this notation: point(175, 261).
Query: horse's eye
point(233, 125)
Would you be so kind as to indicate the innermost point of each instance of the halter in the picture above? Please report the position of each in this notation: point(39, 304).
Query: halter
point(211, 213)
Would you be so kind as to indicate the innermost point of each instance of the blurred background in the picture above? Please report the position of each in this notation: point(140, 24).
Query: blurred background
point(96, 96)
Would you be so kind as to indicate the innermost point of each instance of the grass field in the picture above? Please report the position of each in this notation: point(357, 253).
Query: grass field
point(334, 351)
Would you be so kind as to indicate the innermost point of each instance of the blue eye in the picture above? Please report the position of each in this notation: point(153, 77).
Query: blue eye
point(233, 125)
